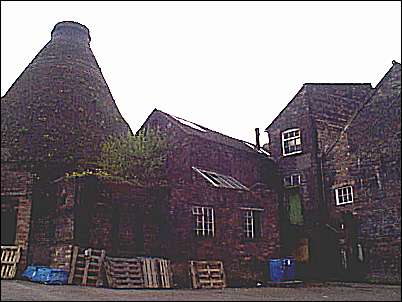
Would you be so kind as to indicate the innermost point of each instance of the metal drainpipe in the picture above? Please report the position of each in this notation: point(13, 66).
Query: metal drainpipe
point(324, 202)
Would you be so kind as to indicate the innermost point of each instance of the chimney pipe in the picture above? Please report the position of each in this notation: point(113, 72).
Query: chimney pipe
point(257, 138)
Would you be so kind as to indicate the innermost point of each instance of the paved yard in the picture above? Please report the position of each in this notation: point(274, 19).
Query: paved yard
point(25, 290)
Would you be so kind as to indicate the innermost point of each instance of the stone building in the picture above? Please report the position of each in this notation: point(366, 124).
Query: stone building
point(362, 175)
point(332, 143)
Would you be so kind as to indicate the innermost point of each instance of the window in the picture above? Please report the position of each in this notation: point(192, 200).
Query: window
point(344, 195)
point(204, 221)
point(291, 142)
point(292, 180)
point(219, 180)
point(252, 223)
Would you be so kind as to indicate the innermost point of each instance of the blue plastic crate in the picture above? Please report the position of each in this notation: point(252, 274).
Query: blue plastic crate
point(46, 275)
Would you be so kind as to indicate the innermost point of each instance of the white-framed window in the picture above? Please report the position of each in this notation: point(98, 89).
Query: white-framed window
point(204, 224)
point(252, 223)
point(292, 180)
point(344, 195)
point(219, 180)
point(291, 142)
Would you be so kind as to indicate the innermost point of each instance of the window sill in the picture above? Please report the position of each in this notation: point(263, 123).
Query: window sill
point(343, 203)
point(293, 153)
point(252, 240)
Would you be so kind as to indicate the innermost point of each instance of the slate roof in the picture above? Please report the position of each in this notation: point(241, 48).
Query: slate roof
point(60, 108)
point(208, 134)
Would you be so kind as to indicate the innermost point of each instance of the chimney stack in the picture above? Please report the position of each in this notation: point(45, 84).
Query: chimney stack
point(71, 31)
point(257, 138)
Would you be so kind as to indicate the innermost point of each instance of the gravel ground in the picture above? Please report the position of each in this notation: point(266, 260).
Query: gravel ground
point(16, 290)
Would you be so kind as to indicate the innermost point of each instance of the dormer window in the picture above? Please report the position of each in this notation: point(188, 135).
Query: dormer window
point(291, 142)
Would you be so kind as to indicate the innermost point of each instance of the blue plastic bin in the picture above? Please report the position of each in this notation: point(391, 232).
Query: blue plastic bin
point(46, 275)
point(282, 269)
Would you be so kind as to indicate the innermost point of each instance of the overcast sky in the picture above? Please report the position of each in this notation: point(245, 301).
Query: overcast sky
point(229, 66)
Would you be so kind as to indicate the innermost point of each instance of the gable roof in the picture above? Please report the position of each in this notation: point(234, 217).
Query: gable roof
point(392, 75)
point(195, 129)
point(306, 88)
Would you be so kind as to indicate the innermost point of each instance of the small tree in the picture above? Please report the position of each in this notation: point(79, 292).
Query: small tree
point(139, 159)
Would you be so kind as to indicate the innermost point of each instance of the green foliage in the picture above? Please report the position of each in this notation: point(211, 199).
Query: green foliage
point(138, 158)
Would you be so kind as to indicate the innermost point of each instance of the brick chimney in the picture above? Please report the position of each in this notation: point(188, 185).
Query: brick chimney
point(257, 138)
point(72, 31)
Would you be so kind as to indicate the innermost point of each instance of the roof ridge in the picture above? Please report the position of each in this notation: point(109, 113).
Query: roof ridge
point(209, 131)
point(365, 102)
point(340, 83)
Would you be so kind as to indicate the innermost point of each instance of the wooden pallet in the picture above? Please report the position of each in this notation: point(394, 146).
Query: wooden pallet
point(10, 256)
point(166, 275)
point(124, 272)
point(140, 272)
point(86, 267)
point(207, 274)
point(157, 273)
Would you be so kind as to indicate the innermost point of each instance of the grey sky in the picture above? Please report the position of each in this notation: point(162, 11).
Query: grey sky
point(229, 66)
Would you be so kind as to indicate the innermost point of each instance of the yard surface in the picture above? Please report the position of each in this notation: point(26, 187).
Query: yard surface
point(16, 290)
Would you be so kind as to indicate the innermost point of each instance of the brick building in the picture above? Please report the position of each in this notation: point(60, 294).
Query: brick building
point(53, 119)
point(311, 140)
point(220, 203)
point(328, 191)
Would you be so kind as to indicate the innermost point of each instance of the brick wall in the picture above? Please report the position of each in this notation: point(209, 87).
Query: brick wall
point(245, 261)
point(16, 183)
point(368, 157)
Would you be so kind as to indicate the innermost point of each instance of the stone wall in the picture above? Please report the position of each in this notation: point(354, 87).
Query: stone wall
point(368, 157)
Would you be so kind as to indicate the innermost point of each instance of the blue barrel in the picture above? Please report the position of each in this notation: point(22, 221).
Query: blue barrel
point(282, 269)
point(275, 269)
point(288, 265)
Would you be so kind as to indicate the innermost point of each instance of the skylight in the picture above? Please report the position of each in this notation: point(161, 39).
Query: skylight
point(219, 180)
point(190, 124)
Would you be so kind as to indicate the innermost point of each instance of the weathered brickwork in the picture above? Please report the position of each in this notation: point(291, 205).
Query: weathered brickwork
point(16, 189)
point(319, 111)
point(245, 260)
point(60, 108)
point(57, 113)
point(368, 157)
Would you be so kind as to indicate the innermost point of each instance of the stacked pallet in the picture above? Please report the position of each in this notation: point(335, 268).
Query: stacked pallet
point(86, 267)
point(140, 272)
point(207, 274)
point(124, 273)
point(10, 256)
